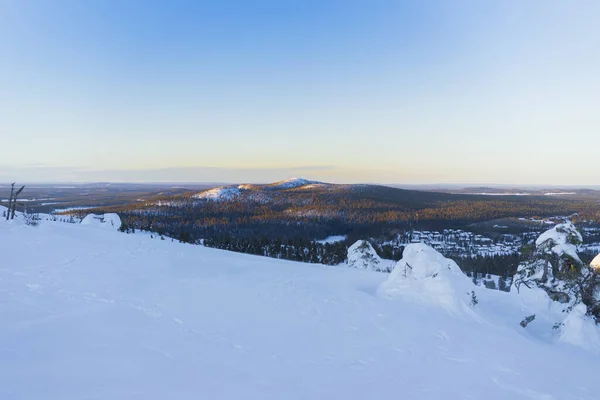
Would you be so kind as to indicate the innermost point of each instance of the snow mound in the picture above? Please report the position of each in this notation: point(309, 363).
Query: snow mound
point(561, 240)
point(362, 255)
point(220, 193)
point(580, 330)
point(425, 275)
point(110, 220)
point(596, 262)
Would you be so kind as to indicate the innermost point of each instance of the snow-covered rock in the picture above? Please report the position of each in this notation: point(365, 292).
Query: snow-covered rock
point(110, 221)
point(562, 240)
point(362, 255)
point(555, 264)
point(425, 275)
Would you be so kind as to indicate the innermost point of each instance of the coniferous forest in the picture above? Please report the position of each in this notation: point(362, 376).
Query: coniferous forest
point(288, 223)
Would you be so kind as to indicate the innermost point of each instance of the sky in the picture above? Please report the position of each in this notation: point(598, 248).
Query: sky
point(405, 92)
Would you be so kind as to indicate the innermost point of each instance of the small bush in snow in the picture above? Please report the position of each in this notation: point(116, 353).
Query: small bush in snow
point(31, 219)
point(474, 300)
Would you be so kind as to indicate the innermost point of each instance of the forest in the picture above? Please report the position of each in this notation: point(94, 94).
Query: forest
point(288, 223)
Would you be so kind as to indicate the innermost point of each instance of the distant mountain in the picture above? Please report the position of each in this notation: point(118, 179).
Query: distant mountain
point(297, 191)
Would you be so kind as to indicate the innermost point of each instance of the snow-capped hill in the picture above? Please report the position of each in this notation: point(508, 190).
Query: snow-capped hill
point(110, 221)
point(219, 194)
point(362, 255)
point(293, 183)
point(426, 276)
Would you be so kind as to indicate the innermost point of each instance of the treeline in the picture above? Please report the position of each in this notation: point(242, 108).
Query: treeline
point(309, 251)
point(295, 250)
point(501, 265)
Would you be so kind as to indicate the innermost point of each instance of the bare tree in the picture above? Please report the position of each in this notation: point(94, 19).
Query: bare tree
point(12, 190)
point(12, 201)
point(15, 201)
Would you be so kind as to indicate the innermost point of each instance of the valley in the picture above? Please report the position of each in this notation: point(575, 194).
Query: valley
point(485, 234)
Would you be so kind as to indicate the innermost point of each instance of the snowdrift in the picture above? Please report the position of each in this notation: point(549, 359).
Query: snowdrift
point(108, 221)
point(426, 276)
point(580, 330)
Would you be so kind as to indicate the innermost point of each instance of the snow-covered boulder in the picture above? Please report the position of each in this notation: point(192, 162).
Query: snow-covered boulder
point(110, 221)
point(562, 241)
point(362, 255)
point(426, 276)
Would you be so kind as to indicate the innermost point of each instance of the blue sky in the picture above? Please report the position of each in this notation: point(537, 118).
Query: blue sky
point(427, 91)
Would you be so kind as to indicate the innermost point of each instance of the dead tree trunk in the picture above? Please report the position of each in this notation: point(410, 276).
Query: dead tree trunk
point(12, 190)
point(15, 201)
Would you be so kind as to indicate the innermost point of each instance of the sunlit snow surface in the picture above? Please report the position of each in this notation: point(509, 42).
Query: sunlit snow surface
point(92, 313)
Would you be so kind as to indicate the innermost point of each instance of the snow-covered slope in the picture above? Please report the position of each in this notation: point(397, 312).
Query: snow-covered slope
point(220, 193)
point(293, 183)
point(96, 314)
point(108, 221)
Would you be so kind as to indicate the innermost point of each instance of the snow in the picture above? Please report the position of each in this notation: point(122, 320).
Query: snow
point(558, 193)
point(426, 276)
point(246, 186)
point(220, 193)
point(62, 210)
point(293, 183)
point(362, 255)
point(98, 314)
point(332, 239)
point(596, 262)
point(557, 240)
point(498, 194)
point(460, 243)
point(579, 330)
point(110, 221)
